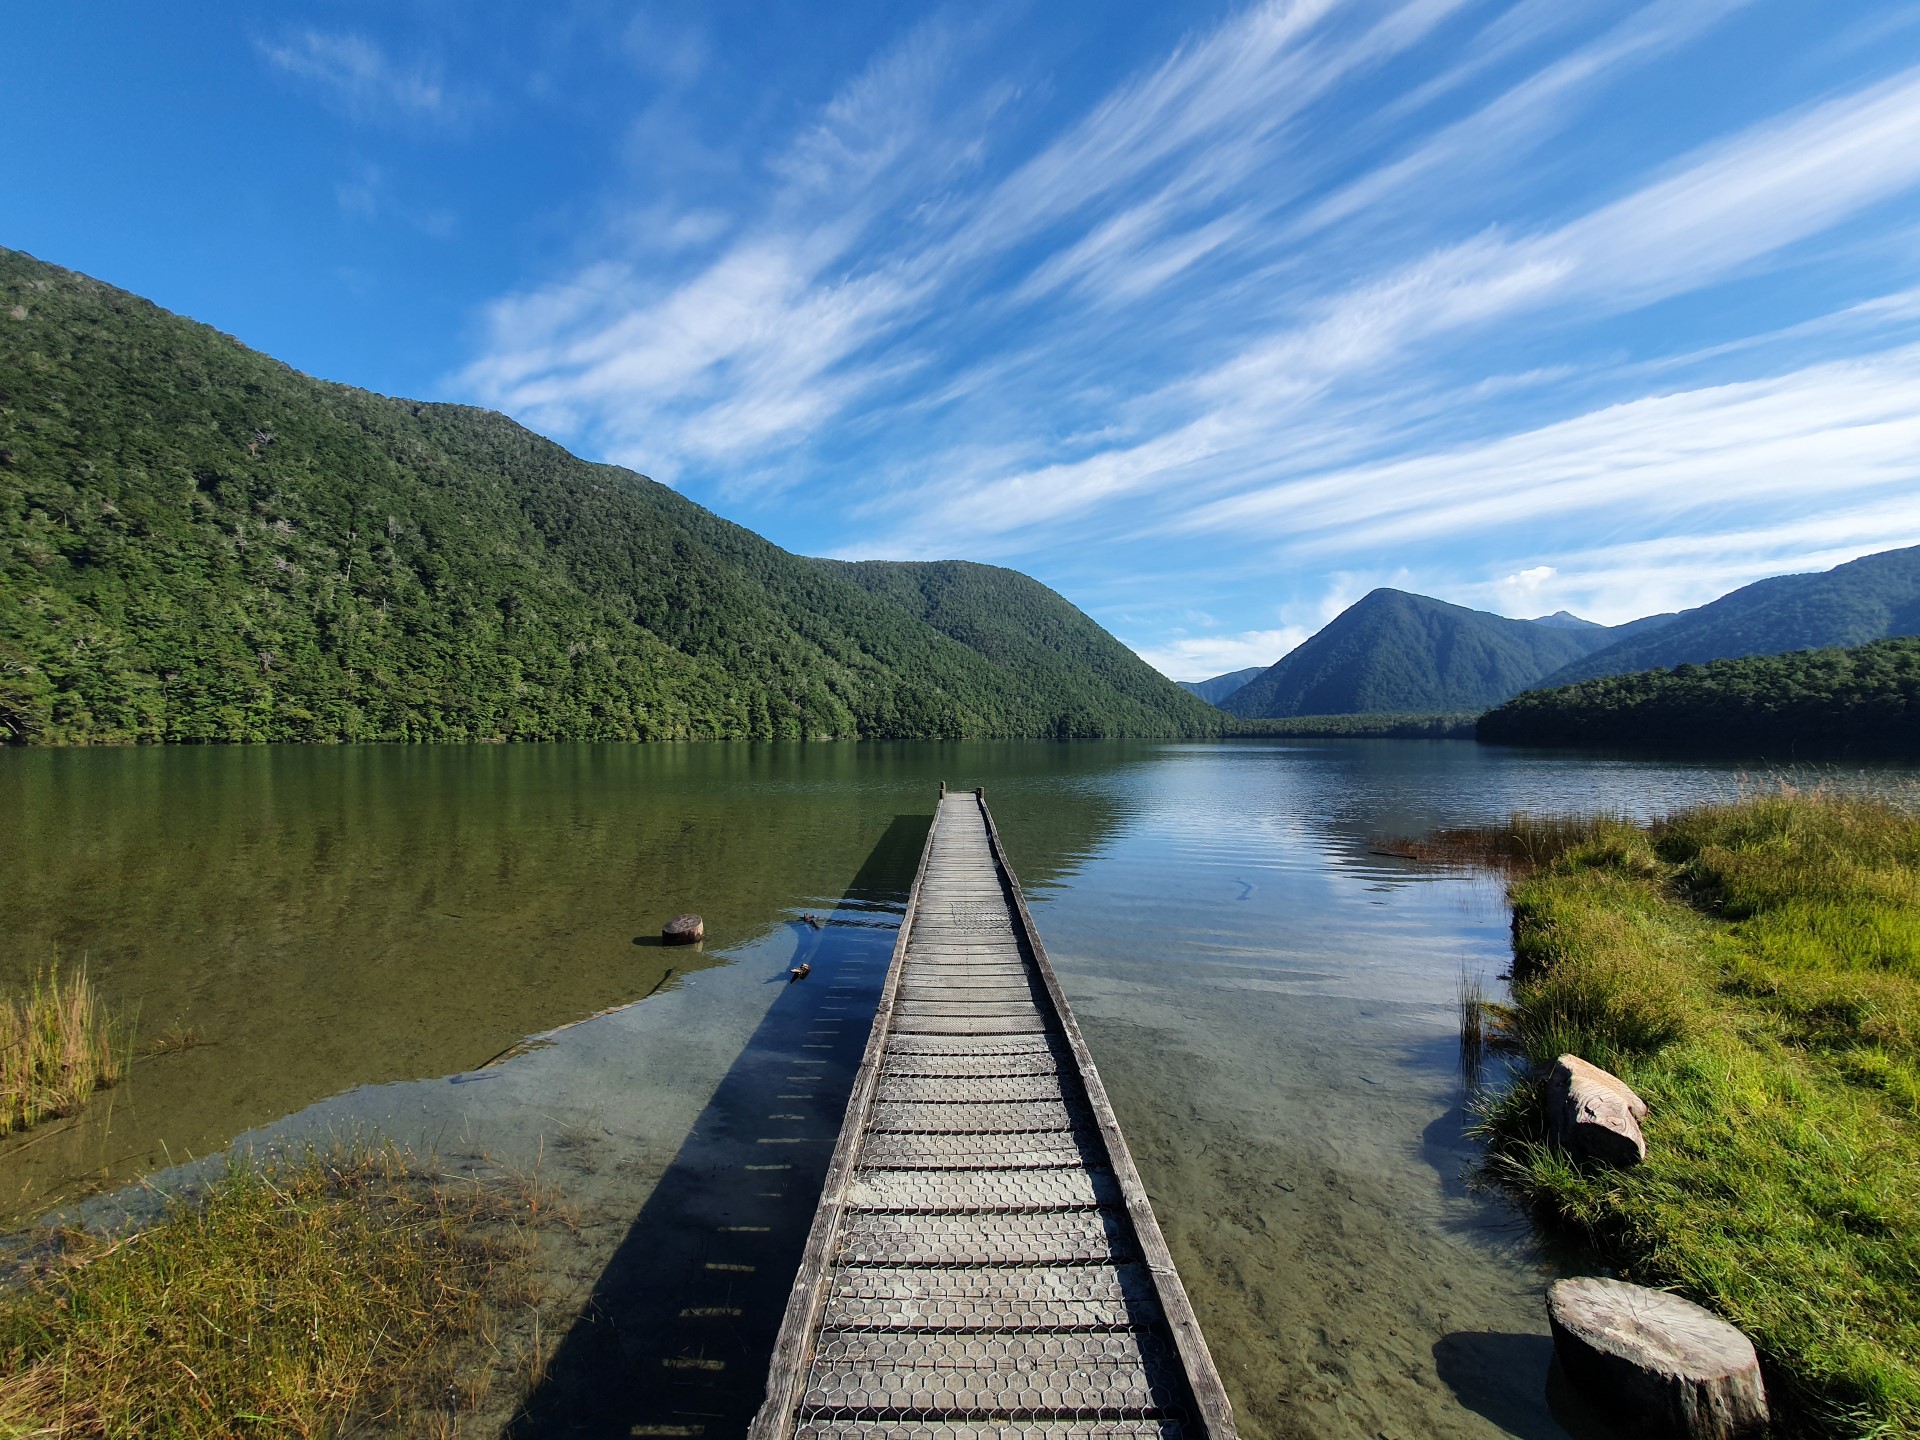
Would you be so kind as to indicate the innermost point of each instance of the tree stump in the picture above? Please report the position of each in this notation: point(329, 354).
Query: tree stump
point(1665, 1364)
point(683, 930)
point(1595, 1112)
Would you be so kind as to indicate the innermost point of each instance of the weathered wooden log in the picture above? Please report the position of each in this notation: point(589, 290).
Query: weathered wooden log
point(1660, 1362)
point(1595, 1113)
point(683, 930)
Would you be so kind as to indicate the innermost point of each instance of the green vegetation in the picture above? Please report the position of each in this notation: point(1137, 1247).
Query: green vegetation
point(1872, 598)
point(289, 1300)
point(1077, 680)
point(57, 1046)
point(1864, 701)
point(1395, 653)
point(1753, 970)
point(200, 544)
point(1456, 725)
point(1216, 690)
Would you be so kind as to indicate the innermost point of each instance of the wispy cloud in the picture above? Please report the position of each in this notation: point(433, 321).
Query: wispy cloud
point(359, 78)
point(1308, 295)
point(1724, 210)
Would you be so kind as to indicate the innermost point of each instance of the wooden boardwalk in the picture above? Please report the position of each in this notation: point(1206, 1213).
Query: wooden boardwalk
point(984, 1261)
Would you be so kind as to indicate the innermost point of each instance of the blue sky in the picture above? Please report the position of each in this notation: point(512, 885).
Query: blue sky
point(1211, 316)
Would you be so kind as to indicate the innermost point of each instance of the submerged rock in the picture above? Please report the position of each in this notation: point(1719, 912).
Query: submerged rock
point(1662, 1363)
point(1596, 1113)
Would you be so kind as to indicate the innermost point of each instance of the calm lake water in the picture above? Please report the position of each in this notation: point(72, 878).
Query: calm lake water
point(338, 941)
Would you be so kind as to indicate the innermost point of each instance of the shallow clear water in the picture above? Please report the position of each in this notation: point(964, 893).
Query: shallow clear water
point(350, 933)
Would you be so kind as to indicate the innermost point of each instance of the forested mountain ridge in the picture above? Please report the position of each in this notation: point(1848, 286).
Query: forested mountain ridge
point(1062, 661)
point(200, 543)
point(1861, 701)
point(1215, 690)
point(1872, 598)
point(1395, 652)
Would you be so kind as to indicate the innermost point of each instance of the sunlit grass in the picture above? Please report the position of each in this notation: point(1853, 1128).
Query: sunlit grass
point(57, 1046)
point(350, 1289)
point(1753, 970)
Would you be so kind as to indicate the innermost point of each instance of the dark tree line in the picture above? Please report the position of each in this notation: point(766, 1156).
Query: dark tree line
point(1862, 701)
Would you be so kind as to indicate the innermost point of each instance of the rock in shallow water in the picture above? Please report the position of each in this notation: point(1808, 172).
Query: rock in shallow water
point(1663, 1363)
point(1596, 1113)
point(683, 930)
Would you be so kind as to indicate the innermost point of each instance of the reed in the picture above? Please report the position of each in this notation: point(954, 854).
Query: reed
point(58, 1045)
point(1473, 1023)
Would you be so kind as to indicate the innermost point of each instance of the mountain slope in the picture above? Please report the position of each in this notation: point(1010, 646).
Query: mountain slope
point(1216, 690)
point(1060, 659)
point(1871, 598)
point(1395, 652)
point(199, 543)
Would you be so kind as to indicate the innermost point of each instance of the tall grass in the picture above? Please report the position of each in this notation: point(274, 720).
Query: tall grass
point(335, 1293)
point(57, 1046)
point(1753, 970)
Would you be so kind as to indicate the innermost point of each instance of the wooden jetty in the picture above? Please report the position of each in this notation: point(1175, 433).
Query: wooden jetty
point(983, 1260)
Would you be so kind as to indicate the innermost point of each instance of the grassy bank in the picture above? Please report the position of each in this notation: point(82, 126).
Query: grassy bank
point(57, 1046)
point(351, 1291)
point(1753, 970)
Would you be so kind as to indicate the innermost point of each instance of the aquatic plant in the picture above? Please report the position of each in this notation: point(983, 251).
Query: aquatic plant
point(57, 1046)
point(358, 1290)
point(1473, 1023)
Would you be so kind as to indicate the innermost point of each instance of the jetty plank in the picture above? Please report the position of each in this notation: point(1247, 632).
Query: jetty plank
point(984, 1259)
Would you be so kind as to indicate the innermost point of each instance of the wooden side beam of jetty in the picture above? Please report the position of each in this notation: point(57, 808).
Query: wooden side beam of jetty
point(984, 1259)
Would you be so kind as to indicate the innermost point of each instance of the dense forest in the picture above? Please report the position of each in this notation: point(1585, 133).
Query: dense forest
point(1831, 702)
point(198, 543)
point(1396, 653)
point(1447, 725)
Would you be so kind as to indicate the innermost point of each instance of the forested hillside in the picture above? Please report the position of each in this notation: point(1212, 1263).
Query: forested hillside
point(1062, 662)
point(1217, 689)
point(1864, 701)
point(199, 543)
point(1392, 652)
point(1871, 598)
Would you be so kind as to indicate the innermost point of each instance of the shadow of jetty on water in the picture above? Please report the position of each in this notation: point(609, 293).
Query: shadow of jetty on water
point(677, 1333)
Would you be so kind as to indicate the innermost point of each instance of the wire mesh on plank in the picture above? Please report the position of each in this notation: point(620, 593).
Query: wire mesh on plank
point(971, 1090)
point(1038, 1237)
point(1005, 1115)
point(959, 1375)
point(997, 1190)
point(997, 1429)
point(1021, 1150)
point(1056, 1297)
point(905, 1024)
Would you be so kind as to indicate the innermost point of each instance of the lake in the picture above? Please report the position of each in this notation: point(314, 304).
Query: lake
point(327, 941)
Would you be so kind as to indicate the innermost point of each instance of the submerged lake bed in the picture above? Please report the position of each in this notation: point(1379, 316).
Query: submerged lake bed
point(326, 942)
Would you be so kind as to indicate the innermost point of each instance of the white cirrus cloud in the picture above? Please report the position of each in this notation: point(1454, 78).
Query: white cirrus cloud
point(361, 79)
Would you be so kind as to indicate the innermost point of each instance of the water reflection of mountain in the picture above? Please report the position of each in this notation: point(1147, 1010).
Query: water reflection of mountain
point(295, 920)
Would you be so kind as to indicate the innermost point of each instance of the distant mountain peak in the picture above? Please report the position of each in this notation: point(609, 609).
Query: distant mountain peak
point(1566, 620)
point(1400, 652)
point(1219, 687)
